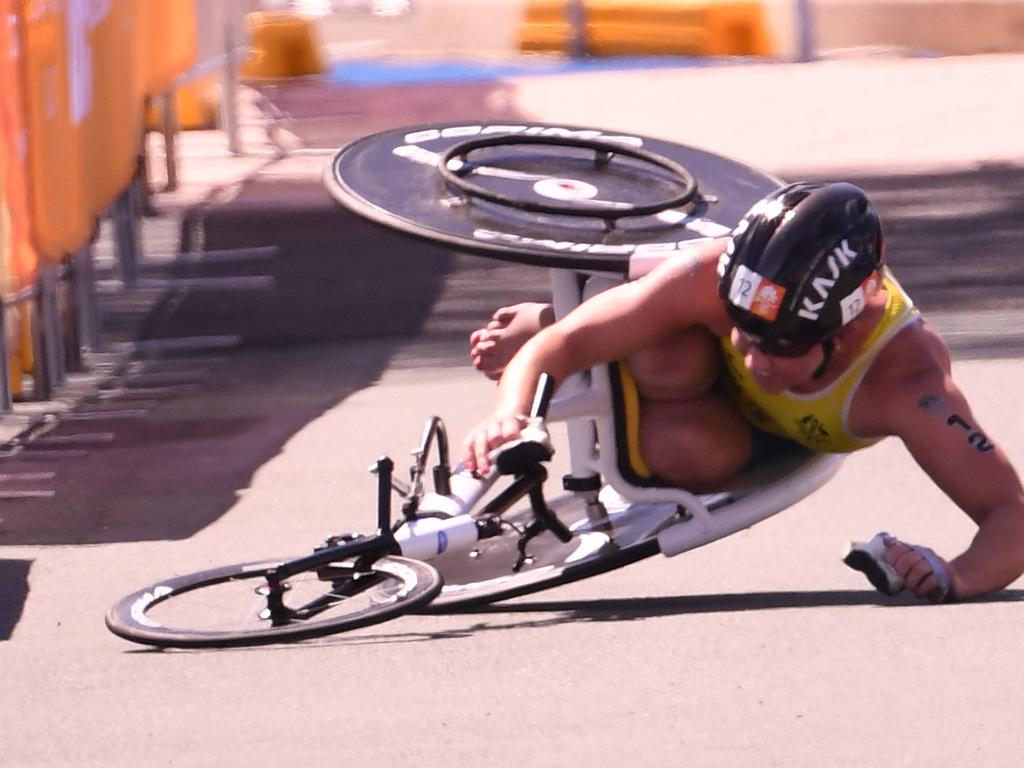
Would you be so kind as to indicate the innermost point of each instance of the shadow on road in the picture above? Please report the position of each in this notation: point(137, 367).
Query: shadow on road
point(13, 593)
point(627, 609)
point(170, 440)
point(601, 610)
point(954, 243)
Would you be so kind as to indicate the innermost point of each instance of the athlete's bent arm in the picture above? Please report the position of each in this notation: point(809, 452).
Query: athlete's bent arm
point(932, 417)
point(607, 327)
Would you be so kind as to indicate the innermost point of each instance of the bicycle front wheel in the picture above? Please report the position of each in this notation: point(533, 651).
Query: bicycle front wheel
point(228, 606)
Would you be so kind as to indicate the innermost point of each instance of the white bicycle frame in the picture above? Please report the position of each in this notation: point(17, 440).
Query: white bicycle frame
point(584, 400)
point(584, 403)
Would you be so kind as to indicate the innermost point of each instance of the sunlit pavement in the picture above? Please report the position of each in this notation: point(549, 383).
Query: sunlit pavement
point(761, 650)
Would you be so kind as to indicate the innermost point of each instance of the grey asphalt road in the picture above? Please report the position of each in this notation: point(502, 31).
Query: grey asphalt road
point(760, 650)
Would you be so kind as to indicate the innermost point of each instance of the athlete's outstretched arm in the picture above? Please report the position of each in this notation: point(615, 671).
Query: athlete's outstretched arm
point(934, 420)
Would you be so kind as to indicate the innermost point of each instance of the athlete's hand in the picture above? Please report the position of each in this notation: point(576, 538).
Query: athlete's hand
point(486, 436)
point(927, 575)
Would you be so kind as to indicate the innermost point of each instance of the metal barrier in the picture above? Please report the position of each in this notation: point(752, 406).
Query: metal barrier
point(222, 43)
point(86, 74)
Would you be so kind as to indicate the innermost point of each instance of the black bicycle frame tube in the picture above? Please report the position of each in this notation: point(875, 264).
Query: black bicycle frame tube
point(280, 614)
point(519, 488)
point(385, 468)
point(382, 543)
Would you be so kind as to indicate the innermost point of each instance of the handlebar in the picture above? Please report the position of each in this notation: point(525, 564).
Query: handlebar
point(525, 458)
point(522, 456)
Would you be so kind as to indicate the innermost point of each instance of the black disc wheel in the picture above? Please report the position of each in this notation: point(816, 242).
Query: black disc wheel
point(229, 606)
point(551, 195)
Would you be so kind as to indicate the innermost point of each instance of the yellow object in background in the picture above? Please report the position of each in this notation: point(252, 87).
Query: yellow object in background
point(196, 104)
point(546, 27)
point(650, 27)
point(166, 47)
point(18, 321)
point(281, 45)
point(21, 353)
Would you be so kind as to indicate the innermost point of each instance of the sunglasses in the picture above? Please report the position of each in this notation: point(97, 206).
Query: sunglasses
point(778, 347)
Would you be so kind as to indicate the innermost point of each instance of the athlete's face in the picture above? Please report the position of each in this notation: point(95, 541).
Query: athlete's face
point(773, 373)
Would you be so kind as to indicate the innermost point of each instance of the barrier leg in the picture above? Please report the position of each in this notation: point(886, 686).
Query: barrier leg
point(6, 396)
point(126, 238)
point(42, 379)
point(142, 172)
point(805, 31)
point(577, 13)
point(229, 91)
point(50, 326)
point(83, 296)
point(169, 128)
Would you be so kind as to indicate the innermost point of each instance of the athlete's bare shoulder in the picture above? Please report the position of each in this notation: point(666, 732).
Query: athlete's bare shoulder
point(692, 273)
point(698, 257)
point(916, 351)
point(684, 287)
point(916, 360)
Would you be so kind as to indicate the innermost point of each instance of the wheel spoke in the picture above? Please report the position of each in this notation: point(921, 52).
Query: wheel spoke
point(344, 588)
point(230, 606)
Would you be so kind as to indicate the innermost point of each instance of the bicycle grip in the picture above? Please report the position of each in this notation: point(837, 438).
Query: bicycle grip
point(522, 457)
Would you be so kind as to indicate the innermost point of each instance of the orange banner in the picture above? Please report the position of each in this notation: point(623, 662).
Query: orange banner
point(85, 68)
point(84, 88)
point(165, 42)
point(17, 256)
point(61, 220)
point(106, 97)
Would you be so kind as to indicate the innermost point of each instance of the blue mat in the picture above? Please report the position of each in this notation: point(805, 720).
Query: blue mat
point(409, 72)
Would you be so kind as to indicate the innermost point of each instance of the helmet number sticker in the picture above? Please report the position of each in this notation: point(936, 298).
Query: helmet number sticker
point(854, 304)
point(756, 294)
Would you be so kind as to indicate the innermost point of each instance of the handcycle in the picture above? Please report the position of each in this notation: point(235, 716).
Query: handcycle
point(471, 540)
point(474, 540)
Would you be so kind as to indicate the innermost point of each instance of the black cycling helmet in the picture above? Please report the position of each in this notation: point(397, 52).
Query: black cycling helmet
point(800, 265)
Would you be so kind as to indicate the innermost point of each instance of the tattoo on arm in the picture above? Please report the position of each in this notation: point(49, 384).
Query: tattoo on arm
point(975, 437)
point(979, 441)
point(932, 403)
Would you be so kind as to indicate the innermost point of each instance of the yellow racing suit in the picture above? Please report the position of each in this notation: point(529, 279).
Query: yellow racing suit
point(818, 420)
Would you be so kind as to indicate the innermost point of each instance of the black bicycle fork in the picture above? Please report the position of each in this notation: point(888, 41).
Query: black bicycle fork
point(524, 462)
